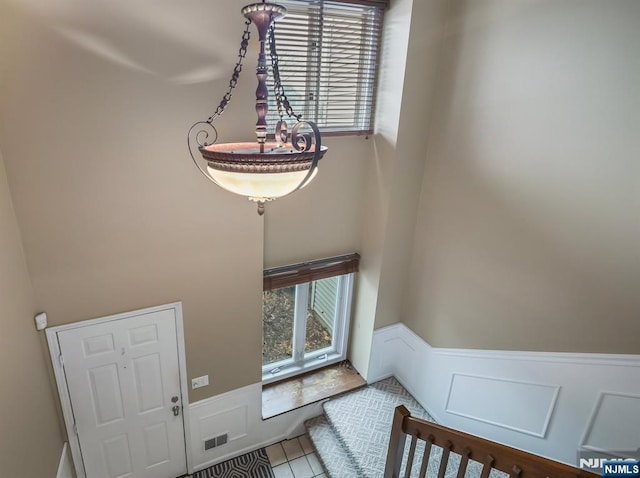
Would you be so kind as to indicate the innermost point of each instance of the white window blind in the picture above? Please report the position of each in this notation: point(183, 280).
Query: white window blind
point(328, 54)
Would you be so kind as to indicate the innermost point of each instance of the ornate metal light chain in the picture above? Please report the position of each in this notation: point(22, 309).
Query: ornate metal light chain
point(281, 98)
point(274, 67)
point(242, 52)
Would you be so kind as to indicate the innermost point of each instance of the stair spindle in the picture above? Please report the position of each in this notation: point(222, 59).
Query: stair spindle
point(412, 452)
point(488, 464)
point(425, 457)
point(462, 469)
point(446, 450)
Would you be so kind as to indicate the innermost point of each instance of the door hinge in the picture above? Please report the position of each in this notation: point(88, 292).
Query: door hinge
point(75, 428)
point(61, 359)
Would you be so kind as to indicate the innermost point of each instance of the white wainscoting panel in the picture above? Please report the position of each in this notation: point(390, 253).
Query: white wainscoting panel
point(234, 422)
point(239, 414)
point(551, 404)
point(614, 423)
point(389, 349)
point(530, 404)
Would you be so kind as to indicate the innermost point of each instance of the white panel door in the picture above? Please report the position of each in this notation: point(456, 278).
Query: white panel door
point(124, 382)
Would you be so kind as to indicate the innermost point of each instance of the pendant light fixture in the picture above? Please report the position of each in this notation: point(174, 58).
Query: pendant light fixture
point(266, 169)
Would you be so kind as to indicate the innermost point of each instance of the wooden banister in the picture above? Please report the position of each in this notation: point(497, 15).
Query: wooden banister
point(513, 462)
point(396, 443)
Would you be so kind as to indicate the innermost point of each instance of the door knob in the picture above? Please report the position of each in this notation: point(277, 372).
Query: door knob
point(174, 399)
point(176, 410)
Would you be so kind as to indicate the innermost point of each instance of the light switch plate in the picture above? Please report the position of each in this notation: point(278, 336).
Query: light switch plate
point(200, 381)
point(41, 321)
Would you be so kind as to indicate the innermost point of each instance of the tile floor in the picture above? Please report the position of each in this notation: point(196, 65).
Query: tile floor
point(295, 458)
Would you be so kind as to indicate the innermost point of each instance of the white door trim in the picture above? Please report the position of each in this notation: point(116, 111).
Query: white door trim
point(63, 391)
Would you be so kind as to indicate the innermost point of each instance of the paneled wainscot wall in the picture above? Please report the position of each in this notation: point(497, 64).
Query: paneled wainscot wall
point(551, 404)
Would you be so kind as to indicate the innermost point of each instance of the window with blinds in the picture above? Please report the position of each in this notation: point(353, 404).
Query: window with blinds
point(328, 53)
point(306, 311)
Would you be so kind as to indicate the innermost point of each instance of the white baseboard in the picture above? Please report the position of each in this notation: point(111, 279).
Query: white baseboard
point(238, 413)
point(65, 468)
point(551, 404)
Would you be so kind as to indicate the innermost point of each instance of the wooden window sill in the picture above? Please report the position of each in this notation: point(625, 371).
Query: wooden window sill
point(296, 392)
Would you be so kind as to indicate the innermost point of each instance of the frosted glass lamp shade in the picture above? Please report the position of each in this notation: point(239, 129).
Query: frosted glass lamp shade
point(261, 186)
point(242, 169)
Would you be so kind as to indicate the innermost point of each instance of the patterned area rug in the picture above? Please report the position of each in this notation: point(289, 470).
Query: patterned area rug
point(252, 465)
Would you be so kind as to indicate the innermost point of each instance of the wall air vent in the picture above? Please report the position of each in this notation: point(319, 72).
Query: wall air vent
point(214, 442)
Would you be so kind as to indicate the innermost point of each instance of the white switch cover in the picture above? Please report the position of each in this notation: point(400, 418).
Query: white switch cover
point(41, 321)
point(200, 381)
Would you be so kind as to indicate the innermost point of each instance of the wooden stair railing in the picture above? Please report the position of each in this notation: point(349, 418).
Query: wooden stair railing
point(515, 463)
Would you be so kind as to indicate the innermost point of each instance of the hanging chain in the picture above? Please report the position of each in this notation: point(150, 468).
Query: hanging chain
point(281, 98)
point(242, 52)
point(274, 68)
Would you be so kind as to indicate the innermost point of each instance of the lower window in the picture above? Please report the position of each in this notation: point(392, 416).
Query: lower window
point(305, 325)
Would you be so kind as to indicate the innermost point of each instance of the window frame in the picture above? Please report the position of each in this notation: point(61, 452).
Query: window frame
point(302, 275)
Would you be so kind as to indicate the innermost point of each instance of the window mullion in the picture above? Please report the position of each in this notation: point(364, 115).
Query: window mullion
point(343, 313)
point(300, 322)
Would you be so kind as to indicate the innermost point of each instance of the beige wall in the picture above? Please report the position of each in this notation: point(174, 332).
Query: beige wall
point(95, 105)
point(393, 56)
point(528, 233)
point(324, 218)
point(29, 426)
point(408, 74)
point(406, 165)
point(114, 216)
